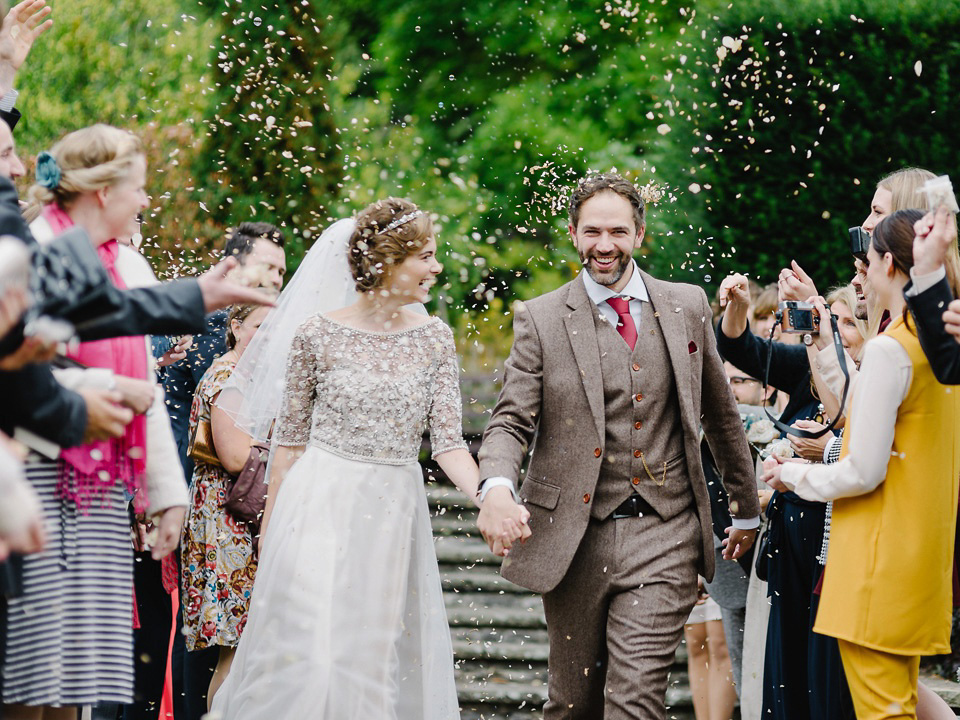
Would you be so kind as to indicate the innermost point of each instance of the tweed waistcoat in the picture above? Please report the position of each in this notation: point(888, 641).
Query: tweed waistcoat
point(643, 447)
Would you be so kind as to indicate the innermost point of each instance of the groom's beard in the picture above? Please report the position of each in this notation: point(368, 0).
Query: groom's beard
point(610, 276)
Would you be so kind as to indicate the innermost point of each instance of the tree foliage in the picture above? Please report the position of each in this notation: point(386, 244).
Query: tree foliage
point(765, 125)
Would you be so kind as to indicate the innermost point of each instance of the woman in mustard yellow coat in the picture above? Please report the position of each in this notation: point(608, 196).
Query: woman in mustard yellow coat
point(888, 579)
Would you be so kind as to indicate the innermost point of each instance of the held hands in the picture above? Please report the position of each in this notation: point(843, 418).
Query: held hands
point(934, 233)
point(795, 284)
point(502, 521)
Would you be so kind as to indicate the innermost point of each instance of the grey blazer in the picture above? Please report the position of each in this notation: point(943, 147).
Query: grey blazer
point(552, 389)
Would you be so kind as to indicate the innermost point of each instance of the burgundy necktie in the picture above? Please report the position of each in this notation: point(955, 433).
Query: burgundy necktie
point(626, 327)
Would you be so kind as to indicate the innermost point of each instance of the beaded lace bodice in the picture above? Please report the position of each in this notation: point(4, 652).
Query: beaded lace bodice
point(369, 396)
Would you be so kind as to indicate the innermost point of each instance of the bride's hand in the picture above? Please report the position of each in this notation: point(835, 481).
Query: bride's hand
point(502, 521)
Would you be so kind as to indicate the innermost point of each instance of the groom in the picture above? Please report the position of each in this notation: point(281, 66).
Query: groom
point(614, 374)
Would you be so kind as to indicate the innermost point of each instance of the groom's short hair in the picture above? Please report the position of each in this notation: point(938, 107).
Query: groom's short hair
point(606, 182)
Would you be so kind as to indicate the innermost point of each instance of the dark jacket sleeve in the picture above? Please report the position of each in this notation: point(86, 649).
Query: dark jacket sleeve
point(788, 366)
point(173, 308)
point(34, 400)
point(938, 345)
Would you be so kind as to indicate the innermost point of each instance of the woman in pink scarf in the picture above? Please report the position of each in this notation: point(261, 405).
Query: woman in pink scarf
point(70, 635)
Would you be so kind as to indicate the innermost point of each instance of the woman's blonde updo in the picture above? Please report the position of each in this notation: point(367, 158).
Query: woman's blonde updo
point(88, 160)
point(388, 232)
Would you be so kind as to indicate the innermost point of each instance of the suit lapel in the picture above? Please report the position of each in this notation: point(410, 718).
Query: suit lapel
point(670, 314)
point(582, 332)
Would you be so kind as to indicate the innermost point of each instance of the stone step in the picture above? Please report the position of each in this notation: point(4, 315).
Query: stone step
point(475, 643)
point(455, 523)
point(464, 552)
point(532, 691)
point(478, 578)
point(499, 611)
point(444, 495)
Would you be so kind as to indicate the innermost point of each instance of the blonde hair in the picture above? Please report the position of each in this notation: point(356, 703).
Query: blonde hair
point(765, 301)
point(89, 159)
point(905, 188)
point(904, 185)
point(848, 296)
point(388, 232)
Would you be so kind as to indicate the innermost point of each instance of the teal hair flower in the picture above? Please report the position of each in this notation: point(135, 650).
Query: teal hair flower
point(48, 172)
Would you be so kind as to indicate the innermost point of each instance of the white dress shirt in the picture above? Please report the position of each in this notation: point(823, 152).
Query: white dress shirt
point(634, 291)
point(884, 379)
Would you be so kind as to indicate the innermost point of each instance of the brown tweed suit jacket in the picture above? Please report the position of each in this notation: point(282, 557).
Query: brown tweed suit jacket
point(553, 393)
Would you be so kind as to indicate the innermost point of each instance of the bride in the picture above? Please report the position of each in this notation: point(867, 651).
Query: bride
point(347, 618)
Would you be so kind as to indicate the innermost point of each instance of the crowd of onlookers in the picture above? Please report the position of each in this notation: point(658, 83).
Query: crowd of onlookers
point(117, 434)
point(861, 468)
point(98, 370)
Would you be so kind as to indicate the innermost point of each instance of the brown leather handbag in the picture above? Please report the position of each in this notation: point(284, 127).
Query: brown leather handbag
point(247, 496)
point(201, 447)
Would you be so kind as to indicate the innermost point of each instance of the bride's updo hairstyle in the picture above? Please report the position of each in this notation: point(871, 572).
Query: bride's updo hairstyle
point(84, 161)
point(388, 232)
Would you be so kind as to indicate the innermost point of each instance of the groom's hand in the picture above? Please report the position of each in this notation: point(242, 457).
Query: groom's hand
point(737, 542)
point(502, 521)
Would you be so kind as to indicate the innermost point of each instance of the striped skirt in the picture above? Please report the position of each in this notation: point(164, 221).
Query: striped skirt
point(70, 636)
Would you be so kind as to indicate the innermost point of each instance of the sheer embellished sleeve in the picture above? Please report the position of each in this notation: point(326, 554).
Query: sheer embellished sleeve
point(446, 409)
point(299, 389)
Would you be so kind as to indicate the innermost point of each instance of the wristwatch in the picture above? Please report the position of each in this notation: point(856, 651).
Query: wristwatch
point(807, 339)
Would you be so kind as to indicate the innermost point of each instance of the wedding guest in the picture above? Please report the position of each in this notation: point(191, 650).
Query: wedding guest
point(708, 662)
point(881, 496)
point(258, 247)
point(82, 584)
point(217, 552)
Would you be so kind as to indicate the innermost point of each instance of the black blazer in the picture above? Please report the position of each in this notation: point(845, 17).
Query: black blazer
point(938, 345)
point(789, 369)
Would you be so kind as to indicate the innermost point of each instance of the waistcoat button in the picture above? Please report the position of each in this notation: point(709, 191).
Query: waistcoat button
point(636, 481)
point(586, 498)
point(638, 424)
point(636, 453)
point(598, 452)
point(636, 367)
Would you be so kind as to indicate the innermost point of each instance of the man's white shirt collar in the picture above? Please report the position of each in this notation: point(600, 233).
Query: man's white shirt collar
point(601, 293)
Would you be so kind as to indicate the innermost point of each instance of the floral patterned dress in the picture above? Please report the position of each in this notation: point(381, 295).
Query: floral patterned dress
point(217, 564)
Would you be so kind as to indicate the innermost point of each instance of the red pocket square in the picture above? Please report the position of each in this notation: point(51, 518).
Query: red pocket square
point(692, 347)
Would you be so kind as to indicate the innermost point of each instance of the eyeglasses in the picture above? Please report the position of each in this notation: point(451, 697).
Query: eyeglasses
point(741, 379)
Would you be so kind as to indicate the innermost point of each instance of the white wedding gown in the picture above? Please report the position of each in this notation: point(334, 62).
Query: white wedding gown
point(347, 620)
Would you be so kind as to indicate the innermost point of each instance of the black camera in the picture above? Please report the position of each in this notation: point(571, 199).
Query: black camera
point(798, 318)
point(859, 243)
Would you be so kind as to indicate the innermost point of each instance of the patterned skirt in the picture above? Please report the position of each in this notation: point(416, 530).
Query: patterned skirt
point(70, 636)
point(217, 565)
